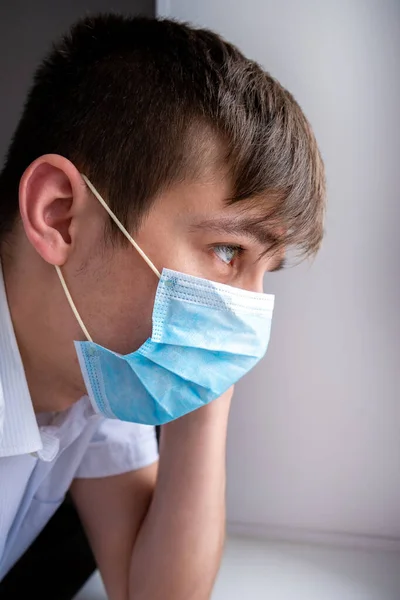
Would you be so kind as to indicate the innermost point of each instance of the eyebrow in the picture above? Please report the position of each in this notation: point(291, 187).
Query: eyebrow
point(254, 229)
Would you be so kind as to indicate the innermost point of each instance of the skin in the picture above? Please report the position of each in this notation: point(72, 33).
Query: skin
point(145, 521)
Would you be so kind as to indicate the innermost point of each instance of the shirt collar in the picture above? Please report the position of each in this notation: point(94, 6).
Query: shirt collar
point(19, 432)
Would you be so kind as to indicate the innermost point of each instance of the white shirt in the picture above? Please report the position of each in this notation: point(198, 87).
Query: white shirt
point(39, 458)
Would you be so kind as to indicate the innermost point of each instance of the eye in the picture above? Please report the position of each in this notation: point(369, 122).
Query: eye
point(227, 253)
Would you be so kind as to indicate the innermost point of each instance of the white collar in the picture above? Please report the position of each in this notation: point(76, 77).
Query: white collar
point(19, 431)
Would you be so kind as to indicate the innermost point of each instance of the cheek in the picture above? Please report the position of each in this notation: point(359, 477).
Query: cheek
point(119, 306)
point(171, 249)
point(128, 323)
point(192, 259)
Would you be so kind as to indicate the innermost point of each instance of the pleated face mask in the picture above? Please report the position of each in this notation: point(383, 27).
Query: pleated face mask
point(205, 337)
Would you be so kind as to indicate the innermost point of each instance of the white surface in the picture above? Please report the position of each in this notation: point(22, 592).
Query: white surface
point(260, 571)
point(314, 438)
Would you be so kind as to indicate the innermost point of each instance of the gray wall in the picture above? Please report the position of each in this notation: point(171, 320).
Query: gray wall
point(314, 441)
point(26, 31)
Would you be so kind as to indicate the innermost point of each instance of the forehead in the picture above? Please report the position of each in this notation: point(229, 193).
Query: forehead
point(206, 185)
point(210, 197)
point(205, 207)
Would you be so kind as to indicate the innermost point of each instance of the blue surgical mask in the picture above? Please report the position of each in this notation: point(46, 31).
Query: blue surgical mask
point(205, 337)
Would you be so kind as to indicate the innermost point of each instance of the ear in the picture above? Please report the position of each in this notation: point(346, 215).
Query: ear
point(51, 195)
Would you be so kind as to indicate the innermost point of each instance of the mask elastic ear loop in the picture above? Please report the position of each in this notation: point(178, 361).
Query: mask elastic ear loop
point(121, 227)
point(72, 304)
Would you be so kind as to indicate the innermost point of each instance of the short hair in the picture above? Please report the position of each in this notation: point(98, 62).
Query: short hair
point(127, 99)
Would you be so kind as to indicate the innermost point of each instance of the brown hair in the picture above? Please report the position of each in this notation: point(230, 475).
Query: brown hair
point(119, 97)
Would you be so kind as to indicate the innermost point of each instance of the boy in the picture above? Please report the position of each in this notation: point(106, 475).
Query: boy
point(153, 163)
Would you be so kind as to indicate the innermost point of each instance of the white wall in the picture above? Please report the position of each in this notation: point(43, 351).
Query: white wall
point(314, 437)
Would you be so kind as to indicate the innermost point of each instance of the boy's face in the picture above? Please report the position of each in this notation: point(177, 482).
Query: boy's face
point(189, 228)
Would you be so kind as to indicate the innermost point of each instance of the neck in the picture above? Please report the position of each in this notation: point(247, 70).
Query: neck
point(44, 335)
